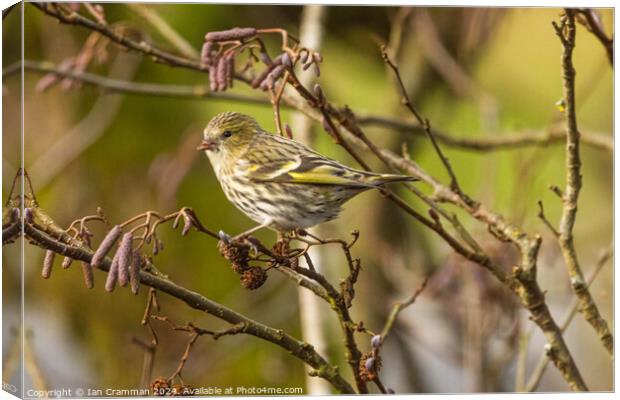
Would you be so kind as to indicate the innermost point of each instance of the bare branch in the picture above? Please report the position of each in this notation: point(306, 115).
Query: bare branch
point(513, 141)
point(509, 141)
point(301, 350)
point(541, 366)
point(424, 122)
point(566, 31)
point(400, 306)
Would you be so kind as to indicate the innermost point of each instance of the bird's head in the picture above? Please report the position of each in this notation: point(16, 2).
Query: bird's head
point(228, 133)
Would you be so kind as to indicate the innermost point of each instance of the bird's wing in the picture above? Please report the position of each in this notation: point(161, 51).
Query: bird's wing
point(304, 169)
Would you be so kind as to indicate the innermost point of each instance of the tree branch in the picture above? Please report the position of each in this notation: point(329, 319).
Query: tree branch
point(73, 18)
point(541, 366)
point(301, 350)
point(566, 31)
point(129, 87)
point(553, 135)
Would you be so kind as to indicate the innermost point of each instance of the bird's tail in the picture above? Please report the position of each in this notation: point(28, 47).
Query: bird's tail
point(382, 179)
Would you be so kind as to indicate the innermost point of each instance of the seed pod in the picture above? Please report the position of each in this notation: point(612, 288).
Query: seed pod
point(105, 246)
point(134, 271)
point(48, 262)
point(269, 82)
point(277, 72)
point(239, 268)
point(124, 259)
point(253, 278)
point(264, 57)
point(66, 262)
point(155, 249)
point(213, 78)
point(87, 273)
point(317, 70)
point(234, 251)
point(258, 80)
point(187, 225)
point(110, 281)
point(286, 60)
point(230, 69)
point(220, 75)
point(230, 34)
point(264, 86)
point(375, 342)
point(205, 53)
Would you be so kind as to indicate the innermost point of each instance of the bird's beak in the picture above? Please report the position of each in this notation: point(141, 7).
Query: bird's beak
point(207, 144)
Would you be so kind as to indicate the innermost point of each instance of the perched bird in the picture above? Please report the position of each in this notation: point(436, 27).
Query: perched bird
point(278, 182)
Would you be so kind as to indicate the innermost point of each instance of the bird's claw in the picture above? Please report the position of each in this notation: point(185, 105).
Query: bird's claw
point(224, 237)
point(253, 243)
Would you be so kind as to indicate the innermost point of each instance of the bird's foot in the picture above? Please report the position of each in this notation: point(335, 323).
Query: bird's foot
point(243, 239)
point(225, 237)
point(300, 232)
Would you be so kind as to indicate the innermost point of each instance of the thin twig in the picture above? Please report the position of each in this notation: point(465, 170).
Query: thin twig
point(400, 306)
point(424, 122)
point(543, 218)
point(502, 141)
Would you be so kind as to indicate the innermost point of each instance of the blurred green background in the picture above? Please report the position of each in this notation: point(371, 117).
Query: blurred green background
point(127, 154)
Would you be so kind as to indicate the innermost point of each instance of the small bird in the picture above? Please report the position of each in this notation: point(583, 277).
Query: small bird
point(279, 182)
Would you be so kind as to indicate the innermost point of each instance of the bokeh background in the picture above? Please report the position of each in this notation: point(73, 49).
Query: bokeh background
point(85, 148)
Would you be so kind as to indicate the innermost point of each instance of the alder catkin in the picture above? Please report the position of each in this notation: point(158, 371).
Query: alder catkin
point(66, 262)
point(105, 246)
point(48, 262)
point(87, 272)
point(220, 75)
point(110, 281)
point(230, 34)
point(187, 224)
point(124, 259)
point(134, 272)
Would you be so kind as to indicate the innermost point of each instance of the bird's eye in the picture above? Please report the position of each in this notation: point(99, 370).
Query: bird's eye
point(227, 133)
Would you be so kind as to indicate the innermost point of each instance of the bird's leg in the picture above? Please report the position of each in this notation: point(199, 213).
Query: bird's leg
point(265, 224)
